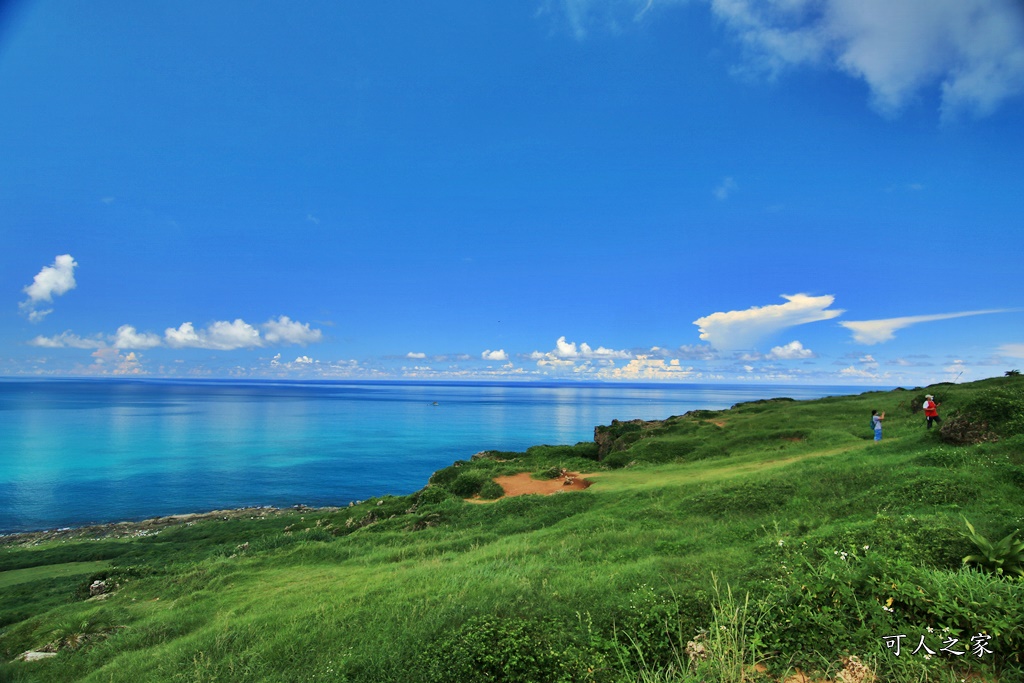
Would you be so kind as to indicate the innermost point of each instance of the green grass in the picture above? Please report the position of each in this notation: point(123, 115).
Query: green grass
point(748, 524)
point(50, 571)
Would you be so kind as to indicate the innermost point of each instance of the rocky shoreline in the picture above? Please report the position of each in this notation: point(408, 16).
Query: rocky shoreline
point(145, 527)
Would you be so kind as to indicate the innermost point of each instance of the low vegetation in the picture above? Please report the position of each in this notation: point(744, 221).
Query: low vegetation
point(734, 545)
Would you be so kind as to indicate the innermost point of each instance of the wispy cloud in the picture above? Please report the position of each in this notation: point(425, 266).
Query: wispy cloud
point(416, 355)
point(970, 51)
point(69, 340)
point(49, 282)
point(877, 331)
point(733, 330)
point(1012, 350)
point(725, 188)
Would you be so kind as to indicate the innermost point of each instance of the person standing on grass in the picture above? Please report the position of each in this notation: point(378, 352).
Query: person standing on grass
point(876, 422)
point(931, 410)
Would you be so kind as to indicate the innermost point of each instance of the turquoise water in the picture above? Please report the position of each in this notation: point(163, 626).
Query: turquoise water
point(75, 452)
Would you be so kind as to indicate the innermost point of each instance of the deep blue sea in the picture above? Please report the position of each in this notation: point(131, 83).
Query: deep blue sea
point(75, 452)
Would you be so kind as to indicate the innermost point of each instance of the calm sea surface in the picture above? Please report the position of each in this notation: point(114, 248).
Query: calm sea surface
point(74, 452)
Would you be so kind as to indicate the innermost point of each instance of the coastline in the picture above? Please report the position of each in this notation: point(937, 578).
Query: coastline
point(146, 527)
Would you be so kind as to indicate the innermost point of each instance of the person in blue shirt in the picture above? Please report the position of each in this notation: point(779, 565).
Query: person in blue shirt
point(876, 421)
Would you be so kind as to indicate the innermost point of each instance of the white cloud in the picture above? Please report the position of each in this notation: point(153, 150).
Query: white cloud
point(794, 350)
point(862, 373)
point(127, 337)
point(494, 355)
point(284, 330)
point(569, 350)
point(734, 330)
point(418, 355)
point(972, 50)
point(1012, 350)
point(644, 368)
point(304, 360)
point(49, 282)
point(68, 340)
point(725, 188)
point(877, 331)
point(220, 336)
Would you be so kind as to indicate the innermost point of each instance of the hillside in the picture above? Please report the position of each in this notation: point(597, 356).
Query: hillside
point(731, 545)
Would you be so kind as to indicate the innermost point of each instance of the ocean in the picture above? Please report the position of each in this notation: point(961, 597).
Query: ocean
point(77, 452)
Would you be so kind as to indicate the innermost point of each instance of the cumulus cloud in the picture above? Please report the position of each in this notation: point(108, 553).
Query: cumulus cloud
point(972, 50)
point(734, 330)
point(68, 340)
point(566, 350)
point(284, 330)
point(872, 332)
point(110, 361)
point(794, 350)
point(494, 355)
point(220, 336)
point(49, 282)
point(228, 336)
point(644, 368)
point(127, 337)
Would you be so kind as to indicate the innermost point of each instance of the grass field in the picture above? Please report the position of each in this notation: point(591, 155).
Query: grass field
point(716, 546)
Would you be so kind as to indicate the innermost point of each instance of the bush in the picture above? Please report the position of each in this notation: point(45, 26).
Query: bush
point(553, 472)
point(468, 484)
point(962, 430)
point(432, 495)
point(493, 648)
point(491, 490)
point(992, 414)
point(445, 476)
point(618, 460)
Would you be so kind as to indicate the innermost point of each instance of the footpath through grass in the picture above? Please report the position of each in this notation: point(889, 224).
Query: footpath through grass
point(720, 545)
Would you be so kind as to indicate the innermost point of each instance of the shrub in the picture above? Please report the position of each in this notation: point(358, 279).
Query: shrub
point(432, 495)
point(493, 648)
point(445, 476)
point(491, 490)
point(990, 415)
point(553, 472)
point(618, 460)
point(468, 484)
point(961, 430)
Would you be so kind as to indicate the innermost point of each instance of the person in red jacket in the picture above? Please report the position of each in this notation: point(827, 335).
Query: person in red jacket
point(931, 410)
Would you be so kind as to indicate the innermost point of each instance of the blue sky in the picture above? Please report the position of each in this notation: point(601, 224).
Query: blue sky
point(785, 191)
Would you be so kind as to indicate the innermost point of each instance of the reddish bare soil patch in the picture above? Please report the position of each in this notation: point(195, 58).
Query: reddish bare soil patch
point(523, 484)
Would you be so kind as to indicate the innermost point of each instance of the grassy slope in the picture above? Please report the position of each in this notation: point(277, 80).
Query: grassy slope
point(382, 591)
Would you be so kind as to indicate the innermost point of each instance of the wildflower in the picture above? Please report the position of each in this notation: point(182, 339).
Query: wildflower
point(781, 543)
point(866, 547)
point(931, 630)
